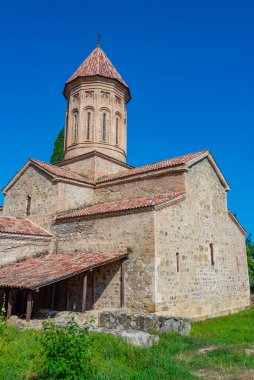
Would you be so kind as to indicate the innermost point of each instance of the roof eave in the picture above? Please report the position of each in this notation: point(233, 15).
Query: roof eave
point(100, 76)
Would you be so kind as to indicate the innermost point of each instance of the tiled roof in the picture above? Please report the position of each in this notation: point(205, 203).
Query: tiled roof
point(34, 273)
point(97, 63)
point(20, 226)
point(120, 206)
point(151, 167)
point(61, 172)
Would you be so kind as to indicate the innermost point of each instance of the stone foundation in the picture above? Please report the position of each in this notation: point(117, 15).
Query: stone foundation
point(143, 322)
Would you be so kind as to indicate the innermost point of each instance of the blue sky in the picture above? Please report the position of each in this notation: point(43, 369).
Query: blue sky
point(189, 65)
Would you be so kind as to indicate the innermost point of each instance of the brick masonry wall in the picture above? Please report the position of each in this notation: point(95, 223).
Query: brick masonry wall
point(141, 187)
point(200, 289)
point(17, 249)
point(134, 232)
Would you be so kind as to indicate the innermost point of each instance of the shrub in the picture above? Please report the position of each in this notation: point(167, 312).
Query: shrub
point(66, 351)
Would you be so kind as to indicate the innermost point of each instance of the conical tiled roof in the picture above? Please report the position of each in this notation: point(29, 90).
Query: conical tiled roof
point(97, 63)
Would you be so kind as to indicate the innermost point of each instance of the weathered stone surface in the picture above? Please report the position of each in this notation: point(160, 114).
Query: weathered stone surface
point(180, 326)
point(136, 338)
point(143, 322)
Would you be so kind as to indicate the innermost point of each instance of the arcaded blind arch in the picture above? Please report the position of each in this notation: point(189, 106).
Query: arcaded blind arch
point(104, 125)
point(118, 129)
point(88, 130)
point(75, 122)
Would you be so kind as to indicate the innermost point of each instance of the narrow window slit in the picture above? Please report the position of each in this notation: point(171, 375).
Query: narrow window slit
point(104, 127)
point(88, 125)
point(28, 205)
point(177, 262)
point(212, 254)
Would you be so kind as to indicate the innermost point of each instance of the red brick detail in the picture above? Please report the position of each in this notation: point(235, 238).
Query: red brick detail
point(120, 206)
point(61, 172)
point(21, 226)
point(97, 63)
point(152, 167)
point(38, 272)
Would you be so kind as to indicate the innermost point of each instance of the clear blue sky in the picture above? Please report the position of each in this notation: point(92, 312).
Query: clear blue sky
point(189, 65)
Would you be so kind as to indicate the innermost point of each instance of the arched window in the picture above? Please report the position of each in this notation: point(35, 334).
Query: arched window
point(88, 127)
point(87, 133)
point(75, 126)
point(118, 123)
point(117, 130)
point(104, 126)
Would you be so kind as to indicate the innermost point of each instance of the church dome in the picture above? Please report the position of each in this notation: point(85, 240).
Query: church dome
point(97, 63)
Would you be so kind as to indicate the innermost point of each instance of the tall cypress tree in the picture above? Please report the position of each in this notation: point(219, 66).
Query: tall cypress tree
point(58, 151)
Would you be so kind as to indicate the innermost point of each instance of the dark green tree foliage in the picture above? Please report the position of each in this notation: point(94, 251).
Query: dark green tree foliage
point(250, 256)
point(58, 150)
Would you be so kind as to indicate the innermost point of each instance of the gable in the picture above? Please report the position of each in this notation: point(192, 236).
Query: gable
point(209, 159)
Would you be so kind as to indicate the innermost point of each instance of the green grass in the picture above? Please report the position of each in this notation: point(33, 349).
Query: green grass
point(175, 357)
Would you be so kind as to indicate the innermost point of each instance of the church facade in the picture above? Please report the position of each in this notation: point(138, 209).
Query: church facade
point(93, 232)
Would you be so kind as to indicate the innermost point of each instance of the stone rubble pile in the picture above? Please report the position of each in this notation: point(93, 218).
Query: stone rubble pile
point(136, 329)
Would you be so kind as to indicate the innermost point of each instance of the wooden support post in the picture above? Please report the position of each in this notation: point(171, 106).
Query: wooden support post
point(94, 291)
point(53, 297)
point(84, 293)
point(67, 295)
point(9, 304)
point(29, 305)
point(122, 283)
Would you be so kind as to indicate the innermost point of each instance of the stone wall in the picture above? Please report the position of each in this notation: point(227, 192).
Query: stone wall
point(85, 167)
point(141, 187)
point(47, 197)
point(122, 320)
point(69, 292)
point(43, 195)
point(72, 196)
point(188, 228)
point(134, 232)
point(93, 166)
point(13, 249)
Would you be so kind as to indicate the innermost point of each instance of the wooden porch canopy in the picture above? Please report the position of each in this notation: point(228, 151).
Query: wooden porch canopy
point(36, 273)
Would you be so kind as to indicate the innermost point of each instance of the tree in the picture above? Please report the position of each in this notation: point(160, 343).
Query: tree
point(250, 258)
point(58, 150)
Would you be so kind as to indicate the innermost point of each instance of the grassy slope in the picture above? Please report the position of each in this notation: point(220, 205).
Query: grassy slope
point(175, 357)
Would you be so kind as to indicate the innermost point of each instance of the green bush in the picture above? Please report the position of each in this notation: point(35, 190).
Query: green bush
point(250, 257)
point(66, 351)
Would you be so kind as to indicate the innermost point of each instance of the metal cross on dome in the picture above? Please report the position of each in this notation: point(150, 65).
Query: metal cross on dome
point(99, 39)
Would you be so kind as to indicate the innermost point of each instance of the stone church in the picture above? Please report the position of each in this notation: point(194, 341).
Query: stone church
point(93, 232)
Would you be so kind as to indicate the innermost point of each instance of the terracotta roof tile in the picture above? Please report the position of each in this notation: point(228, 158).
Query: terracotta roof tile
point(151, 167)
point(20, 226)
point(112, 207)
point(61, 172)
point(97, 63)
point(34, 273)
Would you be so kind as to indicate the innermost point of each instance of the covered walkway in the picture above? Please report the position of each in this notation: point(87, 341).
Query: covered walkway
point(48, 280)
